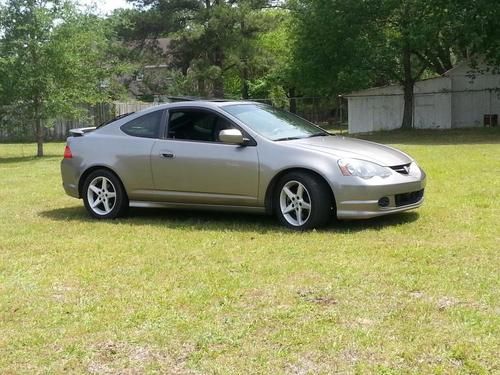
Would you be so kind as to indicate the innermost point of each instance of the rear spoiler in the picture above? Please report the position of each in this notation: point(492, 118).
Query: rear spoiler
point(81, 131)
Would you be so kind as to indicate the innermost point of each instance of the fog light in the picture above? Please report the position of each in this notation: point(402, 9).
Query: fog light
point(383, 202)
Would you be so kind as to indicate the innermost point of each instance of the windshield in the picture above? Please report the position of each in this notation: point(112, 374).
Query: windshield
point(272, 123)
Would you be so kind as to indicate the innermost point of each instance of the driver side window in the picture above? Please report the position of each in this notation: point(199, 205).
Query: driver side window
point(195, 125)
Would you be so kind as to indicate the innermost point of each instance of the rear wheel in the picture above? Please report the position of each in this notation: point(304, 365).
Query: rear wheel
point(302, 201)
point(104, 196)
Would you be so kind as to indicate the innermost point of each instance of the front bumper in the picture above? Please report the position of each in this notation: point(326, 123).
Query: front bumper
point(357, 200)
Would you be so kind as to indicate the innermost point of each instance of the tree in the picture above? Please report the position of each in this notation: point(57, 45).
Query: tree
point(54, 61)
point(477, 35)
point(277, 79)
point(344, 45)
point(210, 39)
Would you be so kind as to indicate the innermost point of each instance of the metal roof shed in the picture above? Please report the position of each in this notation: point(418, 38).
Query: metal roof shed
point(458, 98)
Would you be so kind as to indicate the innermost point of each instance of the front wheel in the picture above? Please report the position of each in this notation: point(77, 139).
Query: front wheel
point(104, 196)
point(302, 201)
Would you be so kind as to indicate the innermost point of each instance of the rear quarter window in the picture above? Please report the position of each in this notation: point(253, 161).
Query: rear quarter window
point(146, 126)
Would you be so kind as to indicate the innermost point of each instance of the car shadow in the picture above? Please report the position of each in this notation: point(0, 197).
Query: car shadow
point(17, 159)
point(377, 223)
point(211, 220)
point(25, 159)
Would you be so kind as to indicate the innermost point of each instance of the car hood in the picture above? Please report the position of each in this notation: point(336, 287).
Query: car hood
point(344, 147)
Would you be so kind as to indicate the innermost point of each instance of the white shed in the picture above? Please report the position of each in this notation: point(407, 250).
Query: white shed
point(456, 99)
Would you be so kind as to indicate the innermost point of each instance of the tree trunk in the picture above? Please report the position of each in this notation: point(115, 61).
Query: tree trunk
point(408, 106)
point(39, 130)
point(408, 83)
point(202, 91)
point(245, 74)
point(245, 89)
point(218, 91)
point(219, 88)
point(292, 100)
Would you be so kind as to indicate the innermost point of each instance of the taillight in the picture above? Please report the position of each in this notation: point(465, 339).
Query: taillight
point(67, 153)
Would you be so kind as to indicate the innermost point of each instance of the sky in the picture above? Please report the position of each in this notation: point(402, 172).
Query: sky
point(107, 6)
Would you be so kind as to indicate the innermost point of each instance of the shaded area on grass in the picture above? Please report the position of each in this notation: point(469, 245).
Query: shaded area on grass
point(212, 220)
point(24, 159)
point(434, 137)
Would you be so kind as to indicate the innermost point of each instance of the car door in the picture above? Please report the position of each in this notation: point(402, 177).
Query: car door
point(191, 165)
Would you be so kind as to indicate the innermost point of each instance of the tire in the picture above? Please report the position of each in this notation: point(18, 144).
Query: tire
point(302, 201)
point(104, 196)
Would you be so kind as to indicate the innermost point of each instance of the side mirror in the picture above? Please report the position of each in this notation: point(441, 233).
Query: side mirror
point(231, 136)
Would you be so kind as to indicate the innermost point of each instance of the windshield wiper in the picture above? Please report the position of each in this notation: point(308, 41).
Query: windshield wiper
point(319, 135)
point(286, 139)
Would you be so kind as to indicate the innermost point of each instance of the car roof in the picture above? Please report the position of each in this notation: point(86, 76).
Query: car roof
point(216, 103)
point(208, 104)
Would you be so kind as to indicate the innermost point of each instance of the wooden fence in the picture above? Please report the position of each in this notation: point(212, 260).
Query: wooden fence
point(317, 110)
point(122, 108)
point(59, 131)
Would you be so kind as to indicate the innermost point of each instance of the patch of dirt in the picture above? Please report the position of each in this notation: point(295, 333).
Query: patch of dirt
point(447, 302)
point(112, 358)
point(417, 294)
point(61, 292)
point(98, 368)
point(365, 322)
point(311, 296)
point(350, 356)
point(442, 303)
point(304, 366)
point(315, 363)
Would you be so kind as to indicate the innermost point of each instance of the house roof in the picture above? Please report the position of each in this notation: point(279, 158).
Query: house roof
point(462, 68)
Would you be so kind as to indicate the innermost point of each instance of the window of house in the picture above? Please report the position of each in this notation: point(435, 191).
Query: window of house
point(147, 126)
point(195, 125)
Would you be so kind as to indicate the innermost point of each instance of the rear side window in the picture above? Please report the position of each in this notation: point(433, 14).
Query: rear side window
point(147, 126)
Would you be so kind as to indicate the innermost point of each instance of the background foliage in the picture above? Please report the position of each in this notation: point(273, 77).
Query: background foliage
point(54, 56)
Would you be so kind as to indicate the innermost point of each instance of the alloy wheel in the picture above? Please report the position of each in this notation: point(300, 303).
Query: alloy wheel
point(101, 195)
point(295, 203)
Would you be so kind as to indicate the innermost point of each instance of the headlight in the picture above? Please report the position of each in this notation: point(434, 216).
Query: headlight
point(414, 169)
point(362, 168)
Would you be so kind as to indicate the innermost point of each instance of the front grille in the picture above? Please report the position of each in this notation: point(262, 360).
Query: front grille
point(409, 198)
point(403, 169)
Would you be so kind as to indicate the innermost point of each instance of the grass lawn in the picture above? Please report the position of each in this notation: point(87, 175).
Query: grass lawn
point(187, 292)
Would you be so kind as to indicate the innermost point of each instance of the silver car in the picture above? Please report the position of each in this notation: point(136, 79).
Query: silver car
point(233, 155)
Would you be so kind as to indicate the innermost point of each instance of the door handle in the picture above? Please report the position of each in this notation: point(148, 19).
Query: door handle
point(167, 155)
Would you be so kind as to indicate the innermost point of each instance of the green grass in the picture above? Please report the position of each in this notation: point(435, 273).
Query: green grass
point(188, 292)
